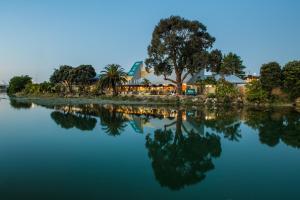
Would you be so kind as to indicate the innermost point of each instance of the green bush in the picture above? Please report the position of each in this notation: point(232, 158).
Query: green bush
point(17, 84)
point(42, 88)
point(255, 92)
point(32, 88)
point(226, 91)
point(211, 95)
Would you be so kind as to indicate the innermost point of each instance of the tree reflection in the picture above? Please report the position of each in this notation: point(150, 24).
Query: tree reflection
point(112, 122)
point(274, 126)
point(20, 105)
point(181, 159)
point(70, 120)
point(226, 122)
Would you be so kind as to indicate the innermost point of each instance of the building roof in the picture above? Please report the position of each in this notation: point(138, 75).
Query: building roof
point(138, 67)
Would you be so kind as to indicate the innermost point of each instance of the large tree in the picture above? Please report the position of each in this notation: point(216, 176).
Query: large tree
point(270, 76)
point(178, 46)
point(62, 75)
point(215, 59)
point(291, 78)
point(68, 75)
point(232, 64)
point(81, 75)
point(18, 83)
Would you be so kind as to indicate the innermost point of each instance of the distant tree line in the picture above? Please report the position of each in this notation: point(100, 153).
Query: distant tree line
point(276, 83)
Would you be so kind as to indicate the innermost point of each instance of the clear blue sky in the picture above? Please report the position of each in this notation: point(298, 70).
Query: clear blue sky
point(38, 36)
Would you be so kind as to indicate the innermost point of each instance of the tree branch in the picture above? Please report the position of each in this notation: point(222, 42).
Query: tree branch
point(167, 79)
point(184, 77)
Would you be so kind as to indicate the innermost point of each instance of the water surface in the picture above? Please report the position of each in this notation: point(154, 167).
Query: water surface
point(127, 152)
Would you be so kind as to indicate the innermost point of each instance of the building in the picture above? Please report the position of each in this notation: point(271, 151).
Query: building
point(251, 78)
point(158, 85)
point(3, 87)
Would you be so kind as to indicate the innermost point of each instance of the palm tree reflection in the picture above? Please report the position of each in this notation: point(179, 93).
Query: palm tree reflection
point(112, 122)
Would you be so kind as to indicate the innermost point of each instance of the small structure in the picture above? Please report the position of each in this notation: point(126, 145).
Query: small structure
point(251, 78)
point(3, 87)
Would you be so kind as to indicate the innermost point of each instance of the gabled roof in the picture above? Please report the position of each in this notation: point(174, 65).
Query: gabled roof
point(231, 78)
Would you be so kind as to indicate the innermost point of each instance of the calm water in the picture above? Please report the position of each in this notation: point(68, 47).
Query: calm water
point(125, 152)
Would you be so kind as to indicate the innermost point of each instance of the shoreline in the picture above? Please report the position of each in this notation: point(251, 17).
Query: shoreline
point(138, 101)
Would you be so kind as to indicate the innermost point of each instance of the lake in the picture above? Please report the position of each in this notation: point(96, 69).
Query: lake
point(147, 152)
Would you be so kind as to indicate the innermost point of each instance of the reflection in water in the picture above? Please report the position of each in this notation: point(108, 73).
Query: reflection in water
point(112, 122)
point(274, 126)
point(181, 143)
point(181, 157)
point(20, 105)
point(226, 122)
point(70, 120)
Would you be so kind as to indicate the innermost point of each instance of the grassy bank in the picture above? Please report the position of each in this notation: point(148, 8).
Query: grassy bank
point(53, 99)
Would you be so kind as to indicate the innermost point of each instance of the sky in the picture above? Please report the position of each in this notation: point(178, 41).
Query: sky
point(38, 36)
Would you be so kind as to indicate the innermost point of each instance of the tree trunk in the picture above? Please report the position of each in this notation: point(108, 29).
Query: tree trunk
point(178, 132)
point(115, 92)
point(179, 88)
point(179, 83)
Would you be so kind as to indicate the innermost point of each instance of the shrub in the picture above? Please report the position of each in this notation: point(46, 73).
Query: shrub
point(211, 95)
point(255, 92)
point(32, 88)
point(226, 91)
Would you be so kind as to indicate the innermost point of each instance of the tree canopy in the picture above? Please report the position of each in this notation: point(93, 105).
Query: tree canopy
point(179, 46)
point(270, 76)
point(112, 76)
point(18, 83)
point(232, 64)
point(291, 78)
point(82, 74)
point(61, 74)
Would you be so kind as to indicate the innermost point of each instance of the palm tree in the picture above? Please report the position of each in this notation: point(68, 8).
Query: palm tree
point(112, 76)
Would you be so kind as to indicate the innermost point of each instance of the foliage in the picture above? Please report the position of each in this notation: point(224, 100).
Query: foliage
point(179, 46)
point(270, 76)
point(18, 83)
point(145, 82)
point(291, 78)
point(255, 92)
point(112, 76)
point(226, 91)
point(232, 64)
point(210, 81)
point(216, 59)
point(35, 88)
point(61, 75)
point(69, 76)
point(82, 74)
